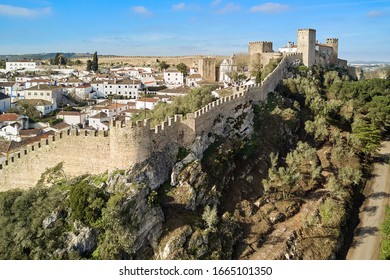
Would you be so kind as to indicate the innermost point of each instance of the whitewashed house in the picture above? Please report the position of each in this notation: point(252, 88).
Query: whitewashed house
point(44, 92)
point(173, 78)
point(127, 88)
point(72, 117)
point(99, 121)
point(43, 106)
point(35, 82)
point(21, 65)
point(146, 102)
point(84, 91)
point(193, 79)
point(227, 68)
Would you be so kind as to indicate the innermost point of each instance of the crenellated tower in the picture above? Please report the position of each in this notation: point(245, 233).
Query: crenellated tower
point(334, 43)
point(307, 46)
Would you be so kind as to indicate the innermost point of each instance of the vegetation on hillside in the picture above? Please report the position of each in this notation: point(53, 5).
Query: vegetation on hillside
point(385, 247)
point(44, 222)
point(196, 99)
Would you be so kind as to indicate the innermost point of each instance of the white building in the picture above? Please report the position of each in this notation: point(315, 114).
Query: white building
point(99, 121)
point(24, 65)
point(173, 78)
point(44, 92)
point(10, 132)
point(193, 79)
point(72, 118)
point(126, 88)
point(13, 90)
point(84, 91)
point(147, 103)
point(43, 106)
point(227, 68)
point(35, 82)
point(290, 48)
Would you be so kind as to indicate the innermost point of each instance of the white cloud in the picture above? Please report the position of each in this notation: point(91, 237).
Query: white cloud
point(9, 10)
point(228, 8)
point(269, 8)
point(376, 14)
point(141, 10)
point(179, 6)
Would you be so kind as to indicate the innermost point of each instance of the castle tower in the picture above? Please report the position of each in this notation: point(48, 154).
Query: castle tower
point(334, 43)
point(207, 68)
point(307, 46)
point(255, 50)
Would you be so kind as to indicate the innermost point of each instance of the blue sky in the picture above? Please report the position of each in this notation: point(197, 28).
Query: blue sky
point(190, 27)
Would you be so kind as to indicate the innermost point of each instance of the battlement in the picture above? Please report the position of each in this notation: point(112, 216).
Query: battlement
point(46, 143)
point(306, 29)
point(260, 42)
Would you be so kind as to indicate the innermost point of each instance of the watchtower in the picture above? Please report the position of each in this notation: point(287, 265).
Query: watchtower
point(255, 50)
point(334, 43)
point(307, 45)
point(207, 68)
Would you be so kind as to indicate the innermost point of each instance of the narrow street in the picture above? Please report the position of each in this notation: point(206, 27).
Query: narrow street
point(367, 236)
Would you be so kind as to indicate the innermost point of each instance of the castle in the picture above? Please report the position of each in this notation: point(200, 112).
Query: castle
point(313, 52)
point(126, 143)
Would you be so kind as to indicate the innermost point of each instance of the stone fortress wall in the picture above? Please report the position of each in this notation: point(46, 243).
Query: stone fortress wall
point(190, 60)
point(126, 143)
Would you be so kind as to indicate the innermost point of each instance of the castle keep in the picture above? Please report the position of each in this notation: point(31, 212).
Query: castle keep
point(312, 51)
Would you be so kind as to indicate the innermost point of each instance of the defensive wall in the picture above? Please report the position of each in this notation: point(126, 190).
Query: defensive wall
point(189, 60)
point(126, 143)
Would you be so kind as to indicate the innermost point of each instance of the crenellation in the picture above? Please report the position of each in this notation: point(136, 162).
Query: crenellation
point(157, 128)
point(178, 118)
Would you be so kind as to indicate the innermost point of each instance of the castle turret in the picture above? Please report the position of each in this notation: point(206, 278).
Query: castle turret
point(255, 50)
point(207, 68)
point(307, 46)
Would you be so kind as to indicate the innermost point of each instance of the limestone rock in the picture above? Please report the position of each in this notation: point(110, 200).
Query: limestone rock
point(173, 242)
point(84, 242)
point(49, 221)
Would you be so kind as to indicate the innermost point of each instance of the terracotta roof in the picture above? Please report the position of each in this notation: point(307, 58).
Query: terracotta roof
point(152, 100)
point(130, 111)
point(34, 102)
point(30, 132)
point(9, 117)
point(99, 116)
point(125, 82)
point(195, 76)
point(5, 147)
point(69, 113)
point(7, 84)
point(43, 87)
point(85, 85)
point(38, 81)
point(61, 126)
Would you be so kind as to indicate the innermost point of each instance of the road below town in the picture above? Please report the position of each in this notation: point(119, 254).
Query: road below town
point(367, 236)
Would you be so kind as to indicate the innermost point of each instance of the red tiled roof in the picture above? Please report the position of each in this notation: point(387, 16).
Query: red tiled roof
point(69, 113)
point(152, 100)
point(9, 117)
